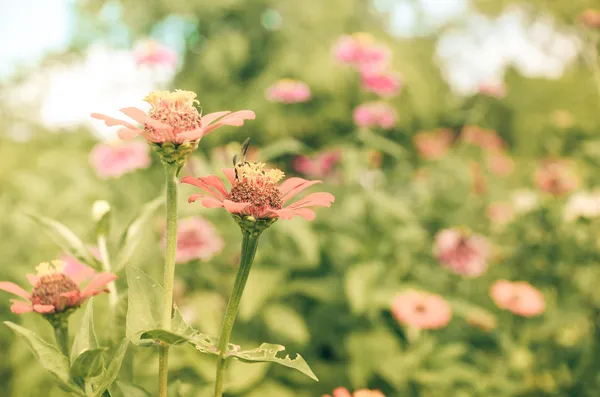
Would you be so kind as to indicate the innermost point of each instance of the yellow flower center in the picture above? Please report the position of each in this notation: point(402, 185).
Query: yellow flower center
point(50, 268)
point(256, 171)
point(173, 100)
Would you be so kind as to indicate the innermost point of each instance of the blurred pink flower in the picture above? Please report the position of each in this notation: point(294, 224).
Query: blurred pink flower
point(196, 239)
point(318, 166)
point(461, 251)
point(421, 310)
point(590, 18)
point(519, 297)
point(360, 49)
point(343, 392)
point(433, 145)
point(57, 288)
point(380, 81)
point(500, 213)
point(556, 176)
point(111, 160)
point(493, 89)
point(288, 91)
point(151, 52)
point(478, 178)
point(375, 114)
point(485, 139)
point(173, 118)
point(499, 163)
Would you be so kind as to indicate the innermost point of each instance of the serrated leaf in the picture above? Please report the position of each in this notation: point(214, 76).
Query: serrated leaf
point(112, 371)
point(130, 390)
point(89, 363)
point(268, 352)
point(284, 321)
point(131, 238)
point(66, 239)
point(49, 357)
point(281, 147)
point(85, 339)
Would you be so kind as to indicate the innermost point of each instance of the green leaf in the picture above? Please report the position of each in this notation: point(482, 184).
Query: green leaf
point(255, 294)
point(166, 337)
point(284, 321)
point(66, 239)
point(208, 345)
point(281, 147)
point(381, 143)
point(89, 363)
point(130, 390)
point(109, 376)
point(268, 352)
point(131, 239)
point(86, 336)
point(49, 357)
point(359, 282)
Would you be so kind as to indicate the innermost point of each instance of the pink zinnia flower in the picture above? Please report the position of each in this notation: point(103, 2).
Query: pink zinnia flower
point(590, 18)
point(173, 118)
point(485, 139)
point(463, 252)
point(343, 392)
point(556, 177)
point(433, 145)
point(151, 52)
point(255, 192)
point(520, 297)
point(288, 91)
point(196, 239)
point(375, 114)
point(380, 81)
point(111, 160)
point(421, 310)
point(359, 49)
point(56, 288)
point(319, 166)
point(499, 163)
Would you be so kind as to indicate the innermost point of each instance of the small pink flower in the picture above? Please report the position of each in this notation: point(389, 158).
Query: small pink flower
point(499, 163)
point(500, 213)
point(380, 81)
point(421, 310)
point(556, 177)
point(319, 166)
point(590, 18)
point(485, 139)
point(196, 239)
point(433, 145)
point(343, 392)
point(111, 160)
point(520, 298)
point(360, 49)
point(57, 288)
point(375, 114)
point(288, 91)
point(493, 89)
point(173, 118)
point(150, 52)
point(463, 252)
point(256, 192)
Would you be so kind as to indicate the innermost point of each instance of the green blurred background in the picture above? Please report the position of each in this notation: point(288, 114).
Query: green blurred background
point(325, 288)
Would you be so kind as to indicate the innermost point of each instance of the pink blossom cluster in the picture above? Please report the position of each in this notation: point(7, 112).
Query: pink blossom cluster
point(375, 114)
point(152, 53)
point(320, 165)
point(520, 298)
point(112, 160)
point(289, 91)
point(196, 239)
point(463, 252)
point(343, 392)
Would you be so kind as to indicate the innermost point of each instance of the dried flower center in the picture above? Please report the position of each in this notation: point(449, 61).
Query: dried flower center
point(420, 308)
point(49, 288)
point(257, 186)
point(175, 109)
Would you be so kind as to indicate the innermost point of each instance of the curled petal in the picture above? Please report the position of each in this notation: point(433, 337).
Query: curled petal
point(97, 285)
point(229, 174)
point(210, 202)
point(305, 213)
point(20, 307)
point(32, 278)
point(234, 207)
point(71, 298)
point(234, 119)
point(195, 197)
point(192, 135)
point(128, 133)
point(14, 289)
point(198, 183)
point(141, 117)
point(320, 199)
point(43, 309)
point(290, 189)
point(209, 118)
point(214, 182)
point(111, 121)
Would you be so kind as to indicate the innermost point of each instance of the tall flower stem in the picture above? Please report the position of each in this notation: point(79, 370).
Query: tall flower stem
point(249, 245)
point(113, 295)
point(61, 333)
point(169, 274)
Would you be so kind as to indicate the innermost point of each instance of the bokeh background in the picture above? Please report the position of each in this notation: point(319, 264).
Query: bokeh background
point(483, 121)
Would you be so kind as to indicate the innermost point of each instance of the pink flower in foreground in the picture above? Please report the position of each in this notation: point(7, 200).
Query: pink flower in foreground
point(196, 239)
point(380, 81)
point(111, 160)
point(461, 251)
point(150, 52)
point(433, 145)
point(319, 166)
point(485, 139)
point(375, 114)
point(556, 177)
point(343, 392)
point(173, 118)
point(288, 91)
point(255, 192)
point(56, 288)
point(421, 310)
point(590, 18)
point(359, 49)
point(520, 298)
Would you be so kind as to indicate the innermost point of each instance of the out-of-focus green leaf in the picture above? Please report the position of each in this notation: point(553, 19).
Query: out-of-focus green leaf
point(89, 363)
point(130, 390)
point(112, 371)
point(381, 143)
point(241, 377)
point(284, 321)
point(257, 290)
point(280, 148)
point(360, 282)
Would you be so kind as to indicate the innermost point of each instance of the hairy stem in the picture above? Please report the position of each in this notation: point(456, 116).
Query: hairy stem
point(61, 333)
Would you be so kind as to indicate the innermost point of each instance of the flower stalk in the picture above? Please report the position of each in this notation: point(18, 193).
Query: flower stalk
point(61, 333)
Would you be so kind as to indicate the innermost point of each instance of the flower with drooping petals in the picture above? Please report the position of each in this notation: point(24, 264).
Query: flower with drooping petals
point(590, 18)
point(173, 118)
point(500, 213)
point(343, 392)
point(485, 139)
point(375, 114)
point(196, 239)
point(380, 81)
point(56, 288)
point(461, 251)
point(151, 52)
point(421, 310)
point(255, 193)
point(499, 163)
point(520, 297)
point(360, 49)
point(319, 166)
point(112, 160)
point(288, 91)
point(433, 145)
point(556, 177)
point(582, 205)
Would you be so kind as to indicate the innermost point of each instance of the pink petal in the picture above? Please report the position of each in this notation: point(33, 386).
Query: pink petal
point(141, 117)
point(209, 118)
point(195, 197)
point(286, 213)
point(14, 289)
point(291, 190)
point(215, 182)
point(192, 135)
point(127, 133)
point(234, 119)
point(97, 284)
point(190, 180)
point(43, 309)
point(314, 200)
point(229, 174)
point(20, 307)
point(72, 297)
point(234, 207)
point(33, 279)
point(210, 202)
point(341, 392)
point(111, 121)
point(305, 213)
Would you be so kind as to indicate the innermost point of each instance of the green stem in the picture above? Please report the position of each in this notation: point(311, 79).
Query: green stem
point(169, 274)
point(249, 245)
point(61, 333)
point(113, 295)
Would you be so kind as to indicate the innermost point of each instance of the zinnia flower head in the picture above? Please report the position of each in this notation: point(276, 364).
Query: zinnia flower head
point(359, 49)
point(343, 392)
point(556, 177)
point(433, 145)
point(461, 251)
point(57, 289)
point(112, 160)
point(380, 81)
point(520, 298)
point(590, 18)
point(288, 91)
point(151, 52)
point(319, 166)
point(196, 239)
point(421, 310)
point(375, 114)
